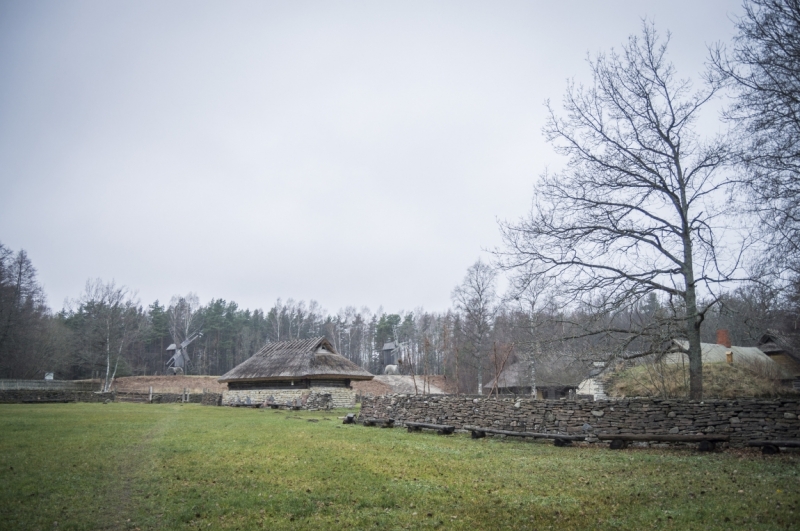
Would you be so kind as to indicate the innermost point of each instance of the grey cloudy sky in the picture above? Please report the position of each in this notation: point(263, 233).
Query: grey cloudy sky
point(355, 153)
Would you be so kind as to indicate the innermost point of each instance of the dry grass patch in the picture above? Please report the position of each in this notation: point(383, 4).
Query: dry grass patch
point(720, 380)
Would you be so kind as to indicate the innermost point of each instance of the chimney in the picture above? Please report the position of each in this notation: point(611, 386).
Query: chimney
point(723, 338)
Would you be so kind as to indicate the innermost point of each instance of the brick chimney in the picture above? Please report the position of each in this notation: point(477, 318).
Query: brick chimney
point(723, 338)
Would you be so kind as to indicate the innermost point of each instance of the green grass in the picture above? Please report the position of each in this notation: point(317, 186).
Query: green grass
point(138, 466)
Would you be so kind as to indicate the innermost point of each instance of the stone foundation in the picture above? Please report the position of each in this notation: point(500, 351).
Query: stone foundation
point(313, 398)
point(743, 420)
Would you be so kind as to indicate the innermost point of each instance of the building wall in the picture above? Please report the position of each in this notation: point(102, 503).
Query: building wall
point(742, 420)
point(787, 363)
point(340, 397)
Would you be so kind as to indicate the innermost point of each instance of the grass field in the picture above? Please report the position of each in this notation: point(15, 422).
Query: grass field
point(138, 466)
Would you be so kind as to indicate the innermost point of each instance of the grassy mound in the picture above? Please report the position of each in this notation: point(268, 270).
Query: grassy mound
point(720, 380)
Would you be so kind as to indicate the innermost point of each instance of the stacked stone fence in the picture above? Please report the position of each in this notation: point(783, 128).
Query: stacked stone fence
point(742, 420)
point(49, 385)
point(25, 396)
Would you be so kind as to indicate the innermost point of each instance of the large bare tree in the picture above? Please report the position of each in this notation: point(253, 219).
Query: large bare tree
point(638, 209)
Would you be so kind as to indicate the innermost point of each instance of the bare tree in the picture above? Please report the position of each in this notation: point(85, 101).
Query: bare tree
point(634, 212)
point(476, 298)
point(764, 70)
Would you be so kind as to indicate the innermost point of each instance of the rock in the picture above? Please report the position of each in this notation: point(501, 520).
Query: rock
point(586, 426)
point(674, 430)
point(671, 414)
point(518, 404)
point(789, 416)
point(598, 412)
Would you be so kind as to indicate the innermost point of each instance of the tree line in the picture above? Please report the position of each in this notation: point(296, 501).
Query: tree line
point(652, 232)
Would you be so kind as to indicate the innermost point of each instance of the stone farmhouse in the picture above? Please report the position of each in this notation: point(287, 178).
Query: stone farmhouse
point(305, 373)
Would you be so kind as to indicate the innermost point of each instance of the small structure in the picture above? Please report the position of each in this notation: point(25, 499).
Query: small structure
point(779, 350)
point(179, 361)
point(515, 379)
point(594, 385)
point(304, 373)
point(390, 353)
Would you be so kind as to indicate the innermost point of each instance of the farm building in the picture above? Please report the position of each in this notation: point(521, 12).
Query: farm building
point(515, 379)
point(723, 352)
point(303, 372)
point(779, 349)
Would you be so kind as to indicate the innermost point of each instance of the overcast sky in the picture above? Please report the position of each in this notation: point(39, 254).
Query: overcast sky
point(355, 153)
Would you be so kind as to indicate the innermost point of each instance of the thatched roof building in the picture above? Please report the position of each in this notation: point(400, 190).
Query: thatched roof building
point(298, 364)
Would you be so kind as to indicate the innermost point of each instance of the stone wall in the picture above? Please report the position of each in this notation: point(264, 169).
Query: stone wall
point(742, 420)
point(24, 396)
point(313, 398)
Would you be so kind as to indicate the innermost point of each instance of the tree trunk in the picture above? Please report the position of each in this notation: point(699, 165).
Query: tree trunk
point(693, 321)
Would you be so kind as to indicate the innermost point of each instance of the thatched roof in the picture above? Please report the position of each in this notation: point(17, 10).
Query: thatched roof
point(296, 360)
point(773, 343)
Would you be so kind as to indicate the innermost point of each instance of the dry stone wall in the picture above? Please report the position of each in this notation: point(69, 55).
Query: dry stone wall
point(314, 398)
point(742, 420)
point(26, 396)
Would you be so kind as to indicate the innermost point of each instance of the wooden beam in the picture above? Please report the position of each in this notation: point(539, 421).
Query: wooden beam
point(663, 438)
point(534, 435)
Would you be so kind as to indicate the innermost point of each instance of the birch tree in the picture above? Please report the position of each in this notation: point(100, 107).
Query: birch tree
point(112, 319)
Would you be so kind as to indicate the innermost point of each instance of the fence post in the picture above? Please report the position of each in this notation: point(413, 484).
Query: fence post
point(150, 400)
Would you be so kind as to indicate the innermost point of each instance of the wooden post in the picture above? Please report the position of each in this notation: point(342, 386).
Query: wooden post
point(150, 400)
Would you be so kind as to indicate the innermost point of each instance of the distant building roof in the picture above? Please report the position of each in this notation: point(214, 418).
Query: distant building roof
point(774, 342)
point(714, 353)
point(299, 359)
point(389, 346)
